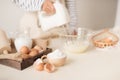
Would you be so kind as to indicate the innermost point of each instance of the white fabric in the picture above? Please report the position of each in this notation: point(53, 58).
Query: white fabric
point(71, 4)
point(60, 18)
point(30, 21)
point(29, 5)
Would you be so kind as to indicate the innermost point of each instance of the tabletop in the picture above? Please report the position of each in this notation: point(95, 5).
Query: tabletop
point(91, 65)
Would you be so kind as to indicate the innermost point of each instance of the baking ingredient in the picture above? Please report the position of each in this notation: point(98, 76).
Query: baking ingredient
point(40, 67)
point(24, 56)
point(57, 58)
point(33, 52)
point(38, 48)
point(38, 61)
point(43, 43)
point(56, 54)
point(24, 50)
point(106, 40)
point(76, 46)
point(49, 67)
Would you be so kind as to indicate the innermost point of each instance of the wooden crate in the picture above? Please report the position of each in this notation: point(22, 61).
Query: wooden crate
point(25, 62)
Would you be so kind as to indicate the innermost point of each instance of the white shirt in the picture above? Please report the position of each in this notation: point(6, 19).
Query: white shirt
point(29, 5)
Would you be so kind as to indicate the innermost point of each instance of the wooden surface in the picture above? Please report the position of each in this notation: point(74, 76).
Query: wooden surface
point(25, 62)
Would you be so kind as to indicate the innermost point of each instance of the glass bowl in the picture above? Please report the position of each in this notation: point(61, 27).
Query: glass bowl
point(77, 42)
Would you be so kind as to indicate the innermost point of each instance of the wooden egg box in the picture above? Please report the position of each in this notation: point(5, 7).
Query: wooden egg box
point(21, 65)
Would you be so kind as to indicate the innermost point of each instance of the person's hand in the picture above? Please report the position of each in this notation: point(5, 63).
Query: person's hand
point(48, 7)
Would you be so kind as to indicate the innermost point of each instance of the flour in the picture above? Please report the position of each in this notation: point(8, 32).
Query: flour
point(56, 54)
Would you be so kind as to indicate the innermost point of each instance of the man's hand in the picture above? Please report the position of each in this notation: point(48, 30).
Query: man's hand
point(48, 7)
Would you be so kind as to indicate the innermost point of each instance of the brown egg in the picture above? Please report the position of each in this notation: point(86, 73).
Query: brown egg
point(24, 50)
point(38, 48)
point(33, 52)
point(107, 40)
point(49, 67)
point(24, 56)
point(40, 67)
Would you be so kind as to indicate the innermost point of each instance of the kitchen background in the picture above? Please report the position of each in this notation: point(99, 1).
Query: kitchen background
point(93, 14)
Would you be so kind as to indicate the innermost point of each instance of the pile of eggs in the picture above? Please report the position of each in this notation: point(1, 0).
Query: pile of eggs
point(26, 52)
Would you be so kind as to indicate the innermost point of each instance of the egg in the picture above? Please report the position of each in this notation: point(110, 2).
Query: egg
point(37, 62)
point(49, 67)
point(24, 50)
point(108, 40)
point(40, 67)
point(33, 52)
point(24, 56)
point(38, 48)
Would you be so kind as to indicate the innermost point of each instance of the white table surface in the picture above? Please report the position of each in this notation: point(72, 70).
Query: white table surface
point(92, 65)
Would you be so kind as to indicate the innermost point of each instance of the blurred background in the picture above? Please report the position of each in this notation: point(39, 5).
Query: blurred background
point(93, 14)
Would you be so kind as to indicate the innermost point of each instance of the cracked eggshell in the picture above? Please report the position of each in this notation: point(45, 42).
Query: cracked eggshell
point(49, 67)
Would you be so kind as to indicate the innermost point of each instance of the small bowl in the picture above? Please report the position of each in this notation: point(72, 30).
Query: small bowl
point(55, 61)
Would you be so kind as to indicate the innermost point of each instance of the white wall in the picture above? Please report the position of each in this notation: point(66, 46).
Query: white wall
point(9, 15)
point(94, 14)
point(117, 20)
